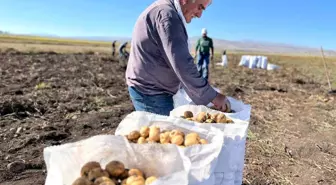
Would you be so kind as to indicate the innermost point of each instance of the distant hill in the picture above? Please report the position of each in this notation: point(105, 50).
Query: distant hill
point(242, 46)
point(248, 46)
point(265, 47)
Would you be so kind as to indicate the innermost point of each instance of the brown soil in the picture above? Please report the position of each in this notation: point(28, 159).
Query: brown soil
point(292, 138)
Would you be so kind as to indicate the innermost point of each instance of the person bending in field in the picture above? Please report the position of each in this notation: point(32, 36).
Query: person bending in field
point(160, 61)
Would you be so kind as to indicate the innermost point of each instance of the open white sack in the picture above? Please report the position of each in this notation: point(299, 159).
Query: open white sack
point(230, 165)
point(182, 98)
point(203, 157)
point(65, 161)
point(242, 111)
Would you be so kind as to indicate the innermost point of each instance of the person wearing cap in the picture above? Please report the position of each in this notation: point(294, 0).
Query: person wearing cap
point(202, 50)
point(160, 62)
point(113, 48)
point(122, 50)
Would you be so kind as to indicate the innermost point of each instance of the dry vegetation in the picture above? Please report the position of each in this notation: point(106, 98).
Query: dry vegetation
point(53, 98)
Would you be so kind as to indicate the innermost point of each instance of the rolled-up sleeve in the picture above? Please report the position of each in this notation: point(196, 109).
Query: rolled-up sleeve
point(174, 45)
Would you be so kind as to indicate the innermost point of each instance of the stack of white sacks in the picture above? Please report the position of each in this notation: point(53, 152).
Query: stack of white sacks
point(256, 62)
point(221, 162)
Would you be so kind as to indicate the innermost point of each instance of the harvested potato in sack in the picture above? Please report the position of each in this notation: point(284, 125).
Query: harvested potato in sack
point(232, 156)
point(110, 159)
point(202, 146)
point(239, 110)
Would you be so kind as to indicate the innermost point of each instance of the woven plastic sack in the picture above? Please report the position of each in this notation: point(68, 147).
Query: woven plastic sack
point(253, 62)
point(244, 61)
point(230, 165)
point(65, 161)
point(264, 62)
point(241, 111)
point(203, 157)
point(271, 67)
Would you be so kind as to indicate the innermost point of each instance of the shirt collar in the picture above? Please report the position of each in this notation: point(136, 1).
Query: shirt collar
point(179, 11)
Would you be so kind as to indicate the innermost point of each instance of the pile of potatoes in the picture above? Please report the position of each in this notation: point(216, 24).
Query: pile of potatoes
point(204, 117)
point(153, 134)
point(114, 173)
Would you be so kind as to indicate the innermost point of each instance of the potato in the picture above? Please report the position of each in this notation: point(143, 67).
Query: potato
point(138, 183)
point(142, 140)
point(82, 181)
point(150, 180)
point(214, 116)
point(209, 121)
point(191, 139)
point(135, 180)
point(134, 135)
point(115, 168)
point(144, 131)
point(188, 114)
point(190, 119)
point(221, 118)
point(135, 172)
point(164, 138)
point(228, 120)
point(96, 173)
point(124, 175)
point(177, 139)
point(123, 182)
point(201, 117)
point(203, 141)
point(108, 183)
point(154, 133)
point(175, 133)
point(102, 179)
point(89, 166)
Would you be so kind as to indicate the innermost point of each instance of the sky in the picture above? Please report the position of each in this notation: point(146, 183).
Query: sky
point(309, 23)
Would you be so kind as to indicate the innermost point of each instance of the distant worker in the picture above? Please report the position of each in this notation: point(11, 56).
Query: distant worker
point(122, 51)
point(113, 48)
point(224, 59)
point(202, 50)
point(123, 55)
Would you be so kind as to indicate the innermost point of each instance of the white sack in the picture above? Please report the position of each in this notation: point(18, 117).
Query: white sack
point(272, 66)
point(224, 61)
point(182, 98)
point(244, 61)
point(259, 61)
point(203, 157)
point(242, 111)
point(65, 161)
point(253, 62)
point(264, 62)
point(230, 165)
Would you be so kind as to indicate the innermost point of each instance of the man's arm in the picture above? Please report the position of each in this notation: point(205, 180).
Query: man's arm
point(197, 46)
point(175, 49)
point(212, 49)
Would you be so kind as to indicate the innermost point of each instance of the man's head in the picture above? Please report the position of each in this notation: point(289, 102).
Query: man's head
point(204, 32)
point(193, 8)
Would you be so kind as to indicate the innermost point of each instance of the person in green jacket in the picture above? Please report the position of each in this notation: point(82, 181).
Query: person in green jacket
point(202, 50)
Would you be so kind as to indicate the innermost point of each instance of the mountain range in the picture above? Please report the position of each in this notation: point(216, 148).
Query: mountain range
point(248, 46)
point(245, 46)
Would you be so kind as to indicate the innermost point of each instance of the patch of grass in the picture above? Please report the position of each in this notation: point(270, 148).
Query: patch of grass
point(42, 85)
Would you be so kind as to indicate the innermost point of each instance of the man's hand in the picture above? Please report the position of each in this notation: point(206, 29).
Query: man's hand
point(211, 57)
point(222, 103)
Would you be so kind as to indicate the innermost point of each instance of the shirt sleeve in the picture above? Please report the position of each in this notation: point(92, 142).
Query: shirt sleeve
point(197, 44)
point(174, 45)
point(211, 44)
